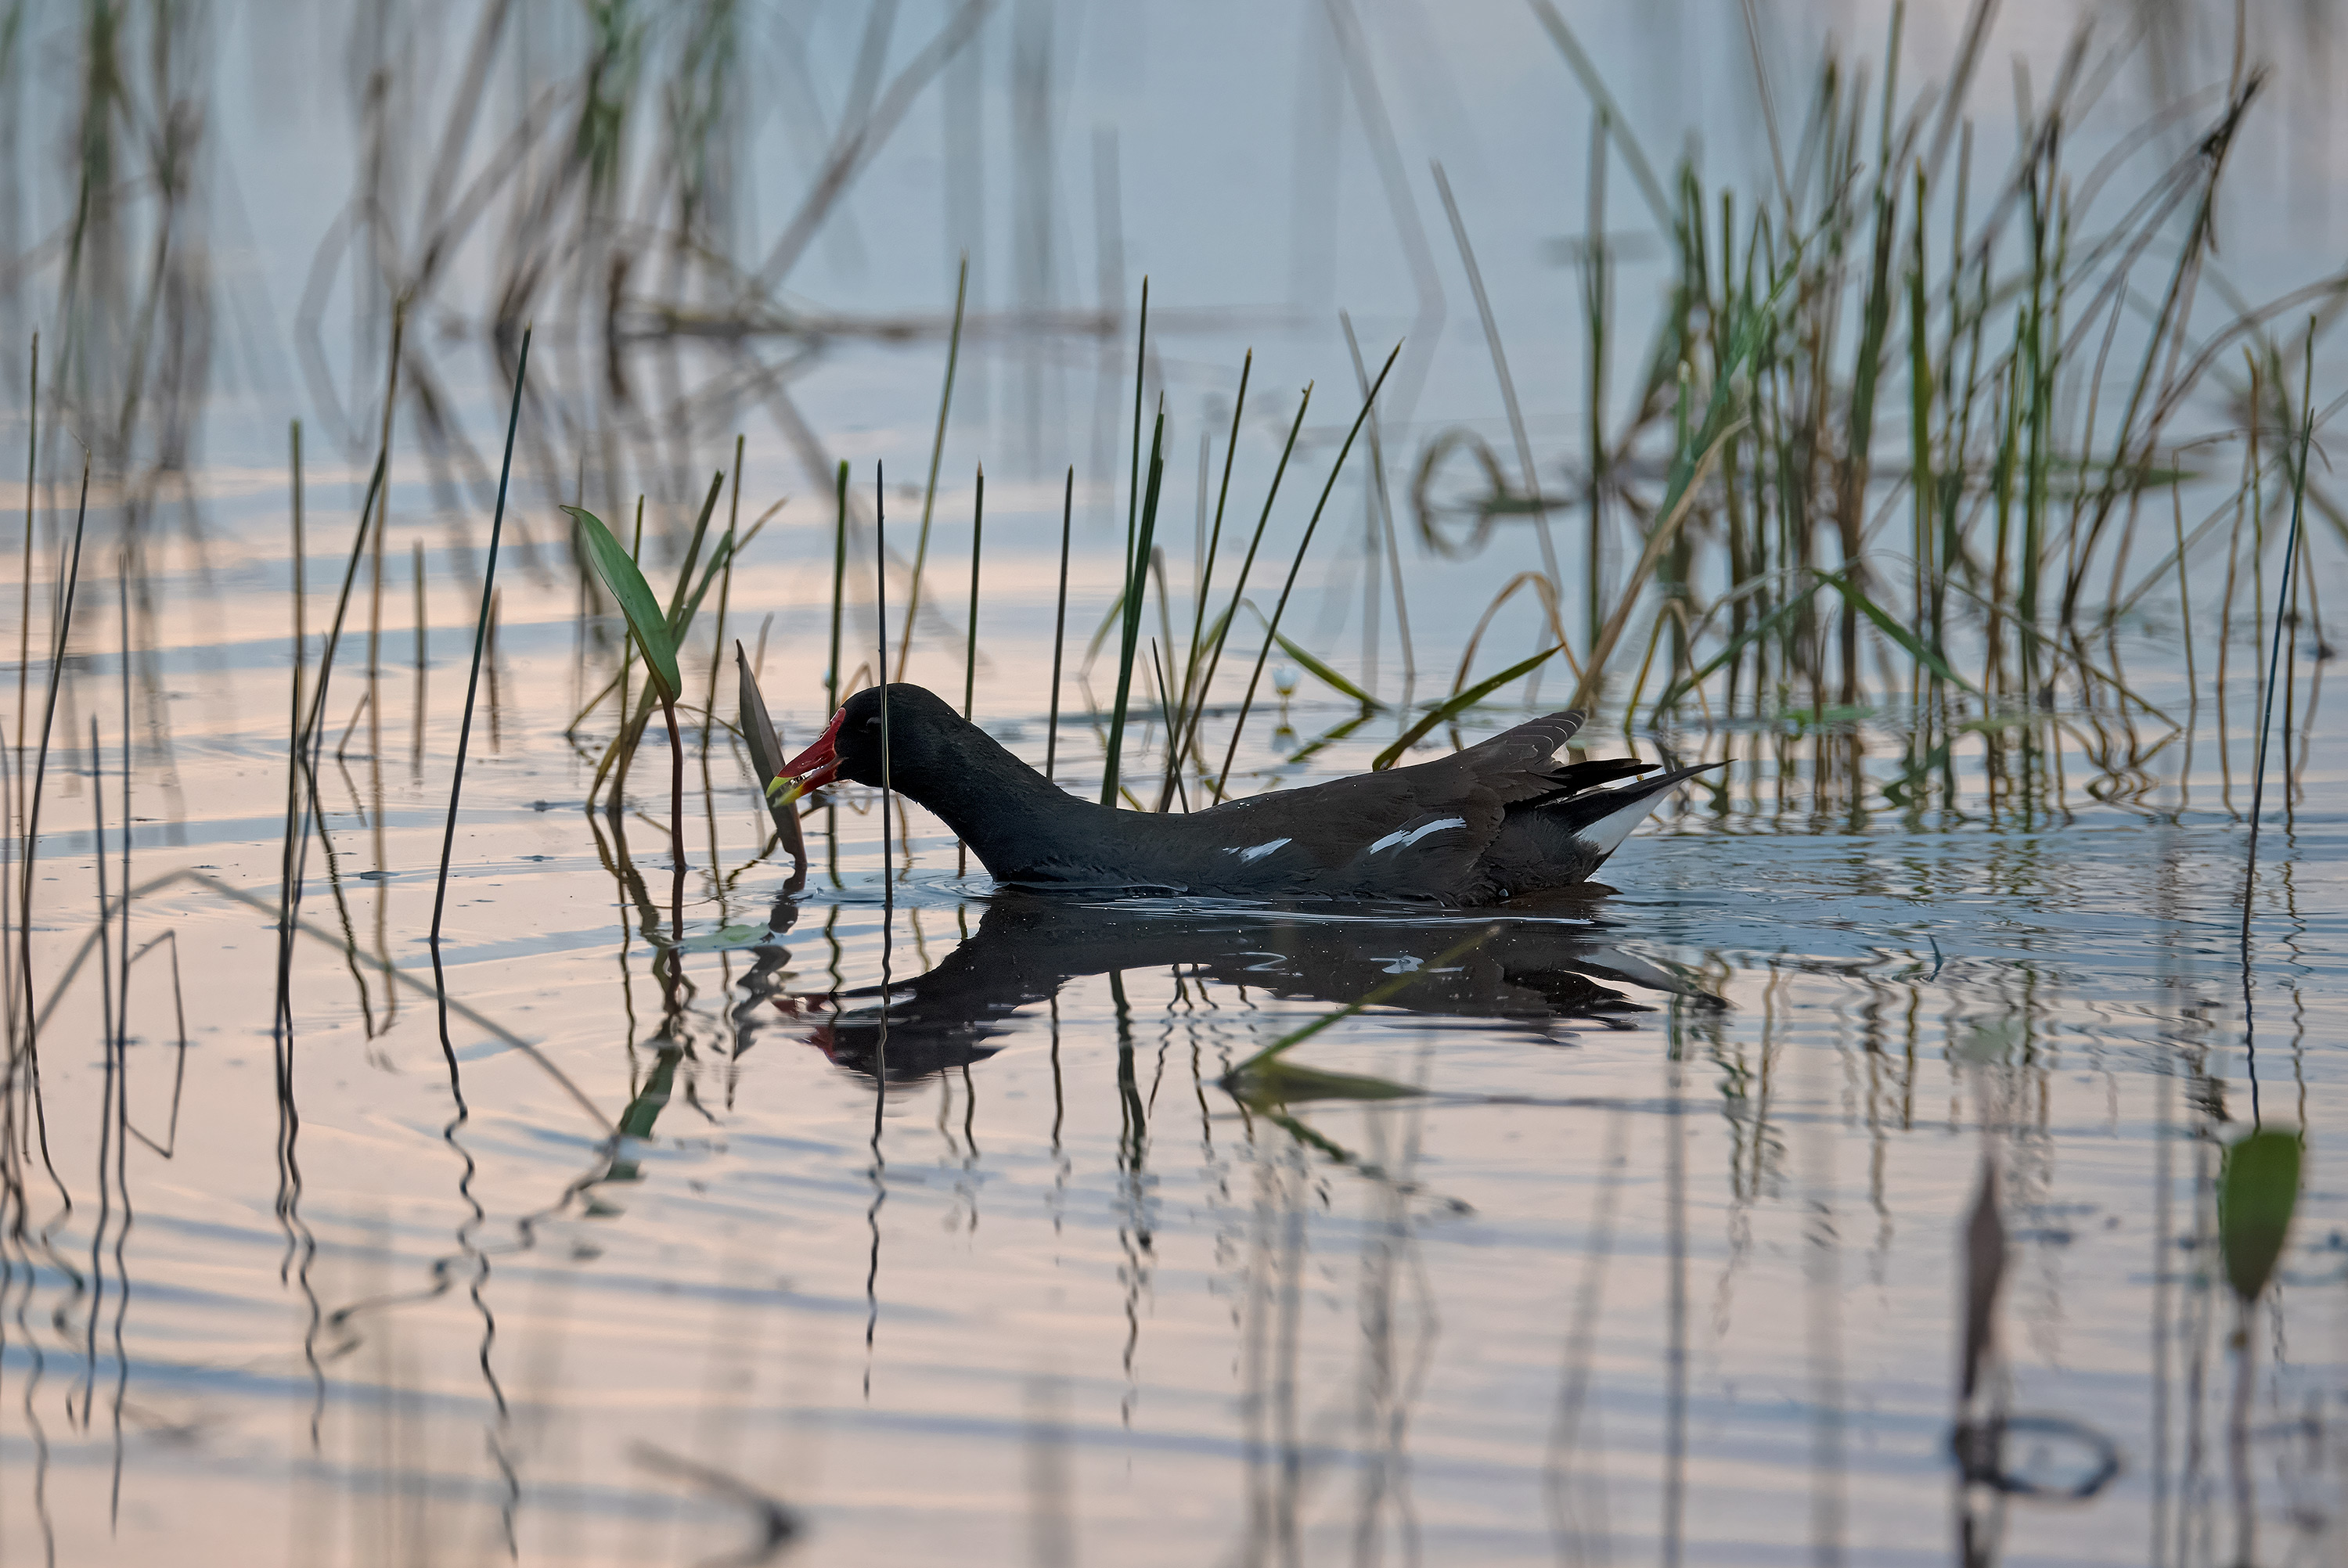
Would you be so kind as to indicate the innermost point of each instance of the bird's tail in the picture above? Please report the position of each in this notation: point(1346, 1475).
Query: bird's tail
point(1601, 819)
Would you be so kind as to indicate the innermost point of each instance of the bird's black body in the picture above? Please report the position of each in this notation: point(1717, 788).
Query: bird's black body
point(1508, 817)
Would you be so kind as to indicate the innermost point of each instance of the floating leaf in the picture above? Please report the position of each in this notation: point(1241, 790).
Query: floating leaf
point(727, 936)
point(646, 621)
point(2257, 1190)
point(1278, 1082)
point(1464, 700)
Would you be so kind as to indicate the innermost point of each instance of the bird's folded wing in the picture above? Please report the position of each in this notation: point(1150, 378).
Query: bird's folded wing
point(1517, 764)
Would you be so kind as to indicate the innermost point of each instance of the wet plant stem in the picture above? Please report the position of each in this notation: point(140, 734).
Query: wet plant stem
point(1059, 624)
point(929, 492)
point(472, 691)
point(969, 648)
point(831, 679)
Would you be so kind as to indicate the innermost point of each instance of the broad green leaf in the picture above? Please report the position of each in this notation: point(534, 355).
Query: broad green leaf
point(2257, 1190)
point(646, 621)
point(1468, 698)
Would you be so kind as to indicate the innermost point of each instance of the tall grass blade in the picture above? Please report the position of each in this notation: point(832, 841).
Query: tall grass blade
point(1198, 706)
point(1060, 623)
point(473, 681)
point(1460, 703)
point(929, 491)
point(1312, 525)
point(969, 647)
point(1325, 675)
point(1137, 588)
point(831, 671)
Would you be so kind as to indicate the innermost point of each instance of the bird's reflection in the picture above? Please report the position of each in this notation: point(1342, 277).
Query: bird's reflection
point(1540, 971)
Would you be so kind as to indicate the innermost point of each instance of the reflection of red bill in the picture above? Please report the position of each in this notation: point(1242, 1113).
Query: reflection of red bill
point(822, 1036)
point(819, 764)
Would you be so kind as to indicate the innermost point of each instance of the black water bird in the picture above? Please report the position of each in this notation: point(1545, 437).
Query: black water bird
point(1508, 817)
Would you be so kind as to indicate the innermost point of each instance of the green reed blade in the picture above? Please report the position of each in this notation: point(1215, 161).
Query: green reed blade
point(1459, 703)
point(1322, 673)
point(1296, 564)
point(839, 586)
point(1890, 626)
point(626, 585)
point(929, 491)
point(1060, 623)
point(1137, 586)
point(1758, 632)
point(970, 649)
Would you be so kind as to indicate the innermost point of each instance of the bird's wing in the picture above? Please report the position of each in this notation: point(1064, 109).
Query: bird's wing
point(1405, 828)
point(1518, 765)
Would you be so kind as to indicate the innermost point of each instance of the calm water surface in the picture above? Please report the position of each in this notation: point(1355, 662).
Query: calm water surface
point(1660, 1254)
point(1631, 1232)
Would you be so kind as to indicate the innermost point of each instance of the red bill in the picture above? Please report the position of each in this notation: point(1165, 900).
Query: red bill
point(819, 764)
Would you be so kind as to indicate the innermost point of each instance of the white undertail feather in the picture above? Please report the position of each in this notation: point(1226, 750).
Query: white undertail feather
point(1606, 835)
point(1404, 837)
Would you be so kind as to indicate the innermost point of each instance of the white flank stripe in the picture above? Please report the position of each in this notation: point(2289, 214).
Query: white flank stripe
point(1607, 833)
point(1258, 851)
point(1403, 838)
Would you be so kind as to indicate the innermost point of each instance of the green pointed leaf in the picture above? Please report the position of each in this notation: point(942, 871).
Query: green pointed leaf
point(1928, 657)
point(1468, 698)
point(1752, 634)
point(2257, 1190)
point(1340, 733)
point(766, 755)
point(1321, 673)
point(647, 623)
point(758, 727)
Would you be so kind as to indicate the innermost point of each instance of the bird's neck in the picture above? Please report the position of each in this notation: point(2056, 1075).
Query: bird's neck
point(1011, 814)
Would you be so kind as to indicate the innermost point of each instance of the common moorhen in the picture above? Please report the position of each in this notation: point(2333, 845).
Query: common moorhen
point(1507, 817)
